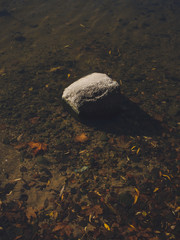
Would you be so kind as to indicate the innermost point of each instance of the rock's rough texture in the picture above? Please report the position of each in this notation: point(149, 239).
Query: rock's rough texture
point(93, 95)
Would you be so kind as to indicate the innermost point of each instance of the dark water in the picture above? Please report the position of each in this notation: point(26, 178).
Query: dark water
point(45, 45)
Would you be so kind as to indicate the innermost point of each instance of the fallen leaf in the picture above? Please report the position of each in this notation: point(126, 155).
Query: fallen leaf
point(38, 147)
point(53, 214)
point(144, 213)
point(54, 69)
point(156, 189)
point(81, 138)
point(18, 237)
point(59, 226)
point(136, 196)
point(64, 228)
point(138, 151)
point(81, 25)
point(30, 213)
point(132, 226)
point(166, 176)
point(107, 227)
point(94, 210)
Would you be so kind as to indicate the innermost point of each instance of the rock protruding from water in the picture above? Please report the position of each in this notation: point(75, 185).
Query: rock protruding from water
point(93, 95)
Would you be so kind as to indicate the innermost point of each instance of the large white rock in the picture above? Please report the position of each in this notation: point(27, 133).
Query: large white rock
point(93, 95)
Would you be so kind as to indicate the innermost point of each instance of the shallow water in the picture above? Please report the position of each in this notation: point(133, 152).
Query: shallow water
point(47, 45)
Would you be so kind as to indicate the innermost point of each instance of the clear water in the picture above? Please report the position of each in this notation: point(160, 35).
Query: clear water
point(47, 45)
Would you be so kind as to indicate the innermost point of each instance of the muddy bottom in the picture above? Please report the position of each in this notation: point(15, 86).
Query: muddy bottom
point(107, 178)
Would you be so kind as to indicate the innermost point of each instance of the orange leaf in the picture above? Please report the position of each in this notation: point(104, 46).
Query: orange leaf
point(18, 237)
point(63, 227)
point(37, 146)
point(68, 230)
point(81, 138)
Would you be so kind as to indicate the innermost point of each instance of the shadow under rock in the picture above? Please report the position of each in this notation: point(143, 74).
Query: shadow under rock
point(130, 120)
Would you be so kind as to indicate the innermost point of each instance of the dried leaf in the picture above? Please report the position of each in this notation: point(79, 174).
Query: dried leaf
point(68, 230)
point(54, 69)
point(107, 227)
point(156, 189)
point(81, 138)
point(18, 237)
point(136, 196)
point(138, 151)
point(59, 226)
point(82, 25)
point(94, 211)
point(53, 214)
point(132, 226)
point(166, 176)
point(30, 213)
point(64, 228)
point(37, 146)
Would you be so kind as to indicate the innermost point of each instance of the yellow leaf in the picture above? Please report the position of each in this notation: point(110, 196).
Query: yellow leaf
point(62, 197)
point(55, 69)
point(82, 25)
point(48, 183)
point(164, 175)
point(153, 68)
point(136, 196)
point(177, 209)
point(144, 213)
point(31, 88)
point(97, 193)
point(109, 52)
point(107, 227)
point(68, 75)
point(133, 147)
point(156, 189)
point(138, 151)
point(53, 214)
point(132, 226)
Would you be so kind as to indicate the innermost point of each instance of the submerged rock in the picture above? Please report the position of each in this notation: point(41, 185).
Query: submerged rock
point(93, 95)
